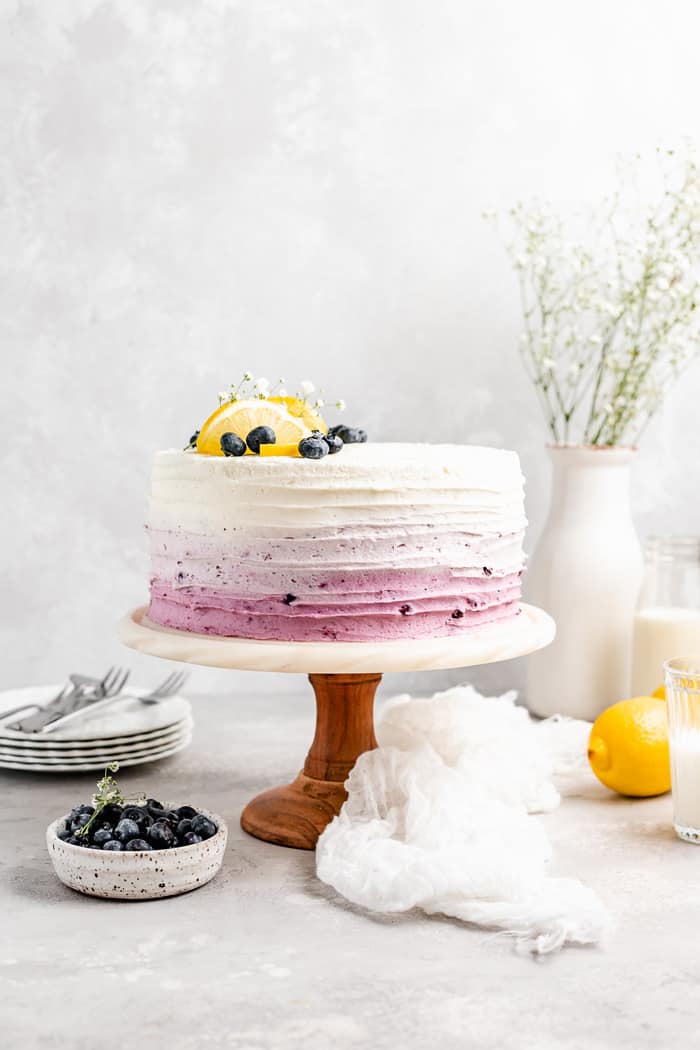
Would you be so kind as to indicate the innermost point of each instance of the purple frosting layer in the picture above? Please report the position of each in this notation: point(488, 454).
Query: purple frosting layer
point(353, 605)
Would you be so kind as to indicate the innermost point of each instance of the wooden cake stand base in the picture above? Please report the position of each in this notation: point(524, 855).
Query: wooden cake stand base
point(344, 676)
point(296, 814)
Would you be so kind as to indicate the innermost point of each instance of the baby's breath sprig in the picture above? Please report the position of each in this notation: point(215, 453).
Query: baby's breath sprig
point(108, 793)
point(610, 323)
point(260, 389)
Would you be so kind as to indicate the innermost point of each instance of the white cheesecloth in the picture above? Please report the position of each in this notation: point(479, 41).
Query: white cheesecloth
point(437, 818)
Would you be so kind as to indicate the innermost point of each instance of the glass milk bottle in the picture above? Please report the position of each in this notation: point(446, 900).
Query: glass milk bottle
point(667, 620)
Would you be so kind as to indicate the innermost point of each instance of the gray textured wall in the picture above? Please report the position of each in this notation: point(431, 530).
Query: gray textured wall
point(189, 189)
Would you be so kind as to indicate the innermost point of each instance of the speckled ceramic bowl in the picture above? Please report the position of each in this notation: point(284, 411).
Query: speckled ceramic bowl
point(138, 875)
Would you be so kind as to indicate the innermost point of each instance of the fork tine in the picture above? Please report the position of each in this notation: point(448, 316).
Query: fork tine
point(177, 679)
point(104, 683)
point(167, 682)
point(163, 689)
point(124, 679)
point(170, 685)
point(118, 683)
point(120, 679)
point(108, 681)
point(117, 675)
point(177, 682)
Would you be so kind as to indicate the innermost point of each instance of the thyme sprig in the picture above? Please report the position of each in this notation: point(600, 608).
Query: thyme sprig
point(108, 793)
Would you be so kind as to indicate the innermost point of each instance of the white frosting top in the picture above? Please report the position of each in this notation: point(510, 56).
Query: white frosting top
point(470, 489)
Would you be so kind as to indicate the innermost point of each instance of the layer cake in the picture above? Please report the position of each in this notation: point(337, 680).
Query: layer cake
point(385, 541)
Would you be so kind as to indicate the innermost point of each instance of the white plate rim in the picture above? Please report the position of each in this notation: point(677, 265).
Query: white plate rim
point(108, 755)
point(103, 742)
point(94, 766)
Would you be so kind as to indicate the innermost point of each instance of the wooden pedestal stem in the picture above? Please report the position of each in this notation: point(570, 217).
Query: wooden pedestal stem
point(296, 814)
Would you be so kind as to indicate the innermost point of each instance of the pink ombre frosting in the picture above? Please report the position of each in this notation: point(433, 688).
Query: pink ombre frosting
point(379, 542)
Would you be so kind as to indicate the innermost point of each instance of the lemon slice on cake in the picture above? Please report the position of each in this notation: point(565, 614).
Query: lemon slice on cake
point(240, 417)
point(302, 410)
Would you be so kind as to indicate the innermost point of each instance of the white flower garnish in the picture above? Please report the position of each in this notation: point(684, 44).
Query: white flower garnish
point(610, 321)
point(307, 387)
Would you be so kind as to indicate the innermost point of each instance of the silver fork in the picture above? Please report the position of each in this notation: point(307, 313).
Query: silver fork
point(110, 687)
point(168, 687)
point(69, 691)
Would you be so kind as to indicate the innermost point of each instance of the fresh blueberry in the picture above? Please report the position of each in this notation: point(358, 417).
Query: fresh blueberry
point(191, 839)
point(112, 814)
point(161, 835)
point(313, 447)
point(186, 812)
point(260, 436)
point(140, 814)
point(153, 803)
point(333, 431)
point(80, 821)
point(77, 812)
point(193, 440)
point(78, 840)
point(201, 825)
point(113, 846)
point(232, 445)
point(350, 435)
point(138, 844)
point(334, 443)
point(63, 834)
point(101, 836)
point(184, 826)
point(173, 817)
point(127, 829)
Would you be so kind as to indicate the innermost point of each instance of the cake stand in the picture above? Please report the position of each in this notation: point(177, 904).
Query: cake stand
point(344, 677)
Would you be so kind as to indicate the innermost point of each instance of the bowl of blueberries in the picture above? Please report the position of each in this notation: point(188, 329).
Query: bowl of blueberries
point(114, 849)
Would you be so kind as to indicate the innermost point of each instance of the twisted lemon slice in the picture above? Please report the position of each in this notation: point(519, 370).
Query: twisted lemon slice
point(301, 410)
point(290, 419)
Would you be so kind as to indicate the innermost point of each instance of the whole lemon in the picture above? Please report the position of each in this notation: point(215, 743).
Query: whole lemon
point(660, 692)
point(628, 747)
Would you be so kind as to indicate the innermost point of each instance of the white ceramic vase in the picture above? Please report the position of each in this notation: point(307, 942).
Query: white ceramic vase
point(586, 572)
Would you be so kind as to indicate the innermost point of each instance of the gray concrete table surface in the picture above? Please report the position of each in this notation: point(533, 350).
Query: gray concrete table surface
point(267, 958)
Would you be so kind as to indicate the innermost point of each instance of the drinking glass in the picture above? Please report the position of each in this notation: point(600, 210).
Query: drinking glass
point(682, 676)
point(667, 620)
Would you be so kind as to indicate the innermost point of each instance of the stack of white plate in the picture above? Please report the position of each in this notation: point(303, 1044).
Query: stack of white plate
point(126, 731)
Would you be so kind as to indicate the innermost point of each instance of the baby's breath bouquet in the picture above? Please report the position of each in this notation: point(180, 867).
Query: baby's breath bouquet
point(611, 318)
